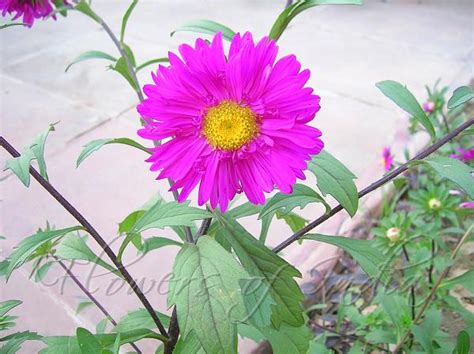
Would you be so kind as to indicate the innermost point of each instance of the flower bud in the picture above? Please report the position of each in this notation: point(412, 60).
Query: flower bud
point(434, 204)
point(393, 234)
point(429, 106)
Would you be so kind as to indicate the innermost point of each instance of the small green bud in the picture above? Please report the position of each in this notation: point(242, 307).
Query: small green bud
point(393, 234)
point(434, 204)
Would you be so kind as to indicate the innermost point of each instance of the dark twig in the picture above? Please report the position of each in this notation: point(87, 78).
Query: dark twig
point(90, 296)
point(431, 268)
point(388, 177)
point(204, 228)
point(412, 287)
point(92, 231)
point(173, 332)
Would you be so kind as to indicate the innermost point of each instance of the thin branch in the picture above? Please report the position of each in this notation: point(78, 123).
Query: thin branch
point(92, 231)
point(387, 178)
point(412, 287)
point(206, 223)
point(90, 296)
point(173, 331)
point(433, 290)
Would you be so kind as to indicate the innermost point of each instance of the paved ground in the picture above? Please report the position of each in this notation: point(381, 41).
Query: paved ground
point(348, 50)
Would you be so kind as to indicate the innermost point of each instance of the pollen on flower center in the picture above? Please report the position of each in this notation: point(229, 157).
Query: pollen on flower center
point(228, 125)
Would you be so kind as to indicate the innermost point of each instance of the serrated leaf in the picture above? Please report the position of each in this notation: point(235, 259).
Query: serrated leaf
point(69, 345)
point(257, 300)
point(6, 306)
point(300, 197)
point(163, 214)
point(404, 99)
point(88, 344)
point(335, 179)
point(259, 261)
point(371, 260)
point(140, 318)
point(151, 62)
point(91, 54)
point(289, 339)
point(206, 26)
point(454, 170)
point(291, 11)
point(125, 18)
point(28, 245)
point(294, 221)
point(74, 247)
point(460, 96)
point(95, 145)
point(205, 289)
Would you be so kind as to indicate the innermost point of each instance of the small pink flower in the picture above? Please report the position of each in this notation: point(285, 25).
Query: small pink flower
point(387, 159)
point(467, 205)
point(29, 9)
point(463, 154)
point(236, 121)
point(429, 106)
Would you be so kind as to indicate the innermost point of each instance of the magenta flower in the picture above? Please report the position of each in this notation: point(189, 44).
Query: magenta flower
point(235, 123)
point(467, 205)
point(429, 106)
point(463, 154)
point(29, 9)
point(387, 159)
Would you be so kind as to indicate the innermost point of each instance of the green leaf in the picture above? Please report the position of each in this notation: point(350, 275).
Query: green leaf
point(461, 95)
point(14, 341)
point(69, 345)
point(163, 214)
point(300, 197)
point(335, 179)
point(84, 7)
point(82, 306)
point(42, 271)
point(206, 26)
point(205, 289)
point(289, 339)
point(121, 67)
point(454, 170)
point(126, 224)
point(128, 51)
point(91, 54)
point(257, 300)
point(261, 262)
point(20, 166)
point(291, 11)
point(397, 309)
point(116, 348)
point(6, 25)
point(95, 145)
point(404, 99)
point(371, 260)
point(28, 245)
point(294, 221)
point(466, 279)
point(125, 19)
point(88, 344)
point(190, 345)
point(154, 243)
point(6, 306)
point(463, 343)
point(150, 62)
point(74, 247)
point(140, 318)
point(427, 331)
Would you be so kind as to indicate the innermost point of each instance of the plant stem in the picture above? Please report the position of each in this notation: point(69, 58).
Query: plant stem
point(173, 332)
point(203, 229)
point(424, 153)
point(90, 296)
point(412, 288)
point(433, 290)
point(92, 231)
point(430, 269)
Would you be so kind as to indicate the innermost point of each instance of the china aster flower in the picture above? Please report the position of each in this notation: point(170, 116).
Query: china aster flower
point(387, 159)
point(231, 123)
point(429, 106)
point(30, 10)
point(463, 154)
point(467, 205)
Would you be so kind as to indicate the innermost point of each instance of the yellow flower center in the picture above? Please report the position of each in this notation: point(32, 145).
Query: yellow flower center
point(228, 126)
